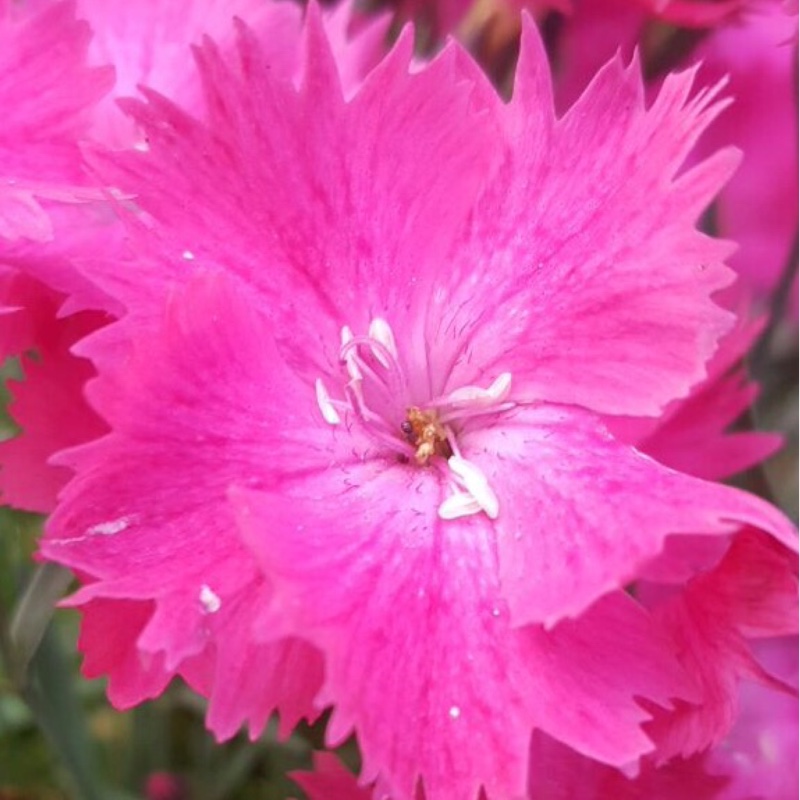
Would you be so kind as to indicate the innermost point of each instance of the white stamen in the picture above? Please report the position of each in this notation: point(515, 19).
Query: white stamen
point(501, 386)
point(209, 599)
point(349, 358)
point(476, 396)
point(188, 255)
point(109, 528)
point(329, 413)
point(381, 332)
point(476, 484)
point(458, 505)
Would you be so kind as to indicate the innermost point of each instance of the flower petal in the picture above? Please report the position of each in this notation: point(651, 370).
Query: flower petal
point(420, 651)
point(585, 248)
point(147, 517)
point(580, 513)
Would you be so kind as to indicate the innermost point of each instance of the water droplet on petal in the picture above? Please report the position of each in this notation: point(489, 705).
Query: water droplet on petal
point(209, 599)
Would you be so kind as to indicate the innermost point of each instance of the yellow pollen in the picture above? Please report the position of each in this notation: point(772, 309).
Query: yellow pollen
point(424, 432)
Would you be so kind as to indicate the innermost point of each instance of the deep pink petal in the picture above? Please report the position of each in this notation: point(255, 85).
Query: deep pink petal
point(593, 33)
point(751, 594)
point(109, 630)
point(423, 691)
point(46, 93)
point(759, 208)
point(134, 510)
point(330, 780)
point(580, 513)
point(559, 773)
point(49, 407)
point(317, 189)
point(592, 250)
point(692, 435)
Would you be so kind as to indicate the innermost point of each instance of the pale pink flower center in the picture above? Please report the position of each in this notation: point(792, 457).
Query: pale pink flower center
point(374, 389)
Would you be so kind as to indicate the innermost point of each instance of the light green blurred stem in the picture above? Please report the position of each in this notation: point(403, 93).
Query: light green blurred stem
point(51, 698)
point(42, 676)
point(32, 615)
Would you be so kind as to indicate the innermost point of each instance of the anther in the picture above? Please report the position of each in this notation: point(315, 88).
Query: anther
point(380, 331)
point(474, 481)
point(329, 413)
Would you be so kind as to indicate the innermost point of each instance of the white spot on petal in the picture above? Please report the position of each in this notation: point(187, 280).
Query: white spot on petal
point(109, 528)
point(209, 599)
point(769, 748)
point(329, 413)
point(455, 712)
point(188, 255)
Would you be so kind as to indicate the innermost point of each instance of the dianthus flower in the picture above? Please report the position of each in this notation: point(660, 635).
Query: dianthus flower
point(365, 426)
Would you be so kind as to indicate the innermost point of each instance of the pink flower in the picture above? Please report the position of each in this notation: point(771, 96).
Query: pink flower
point(367, 424)
point(695, 13)
point(714, 620)
point(760, 755)
point(46, 91)
point(752, 45)
point(54, 379)
point(693, 434)
point(758, 209)
point(330, 780)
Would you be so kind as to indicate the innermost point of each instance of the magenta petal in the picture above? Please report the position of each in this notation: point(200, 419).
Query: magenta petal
point(109, 630)
point(760, 755)
point(52, 413)
point(46, 93)
point(317, 187)
point(422, 691)
point(142, 502)
point(693, 434)
point(330, 780)
point(148, 42)
point(758, 209)
point(751, 594)
point(247, 680)
point(588, 249)
point(581, 513)
point(559, 773)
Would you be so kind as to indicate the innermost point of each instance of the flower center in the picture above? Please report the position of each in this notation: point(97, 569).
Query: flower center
point(426, 435)
point(375, 390)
